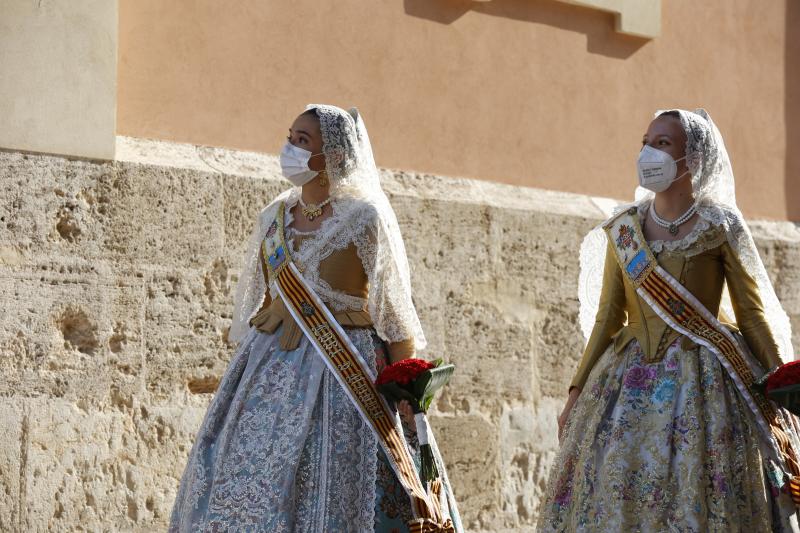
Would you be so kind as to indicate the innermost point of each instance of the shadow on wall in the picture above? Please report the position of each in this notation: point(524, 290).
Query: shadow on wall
point(792, 104)
point(597, 25)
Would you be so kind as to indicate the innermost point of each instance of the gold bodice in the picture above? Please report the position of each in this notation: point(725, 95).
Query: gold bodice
point(344, 272)
point(703, 268)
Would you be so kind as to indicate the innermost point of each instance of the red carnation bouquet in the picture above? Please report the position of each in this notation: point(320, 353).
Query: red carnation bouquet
point(782, 386)
point(416, 381)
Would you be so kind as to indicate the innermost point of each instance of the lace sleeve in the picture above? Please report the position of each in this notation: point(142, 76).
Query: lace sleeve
point(250, 288)
point(744, 247)
point(749, 310)
point(390, 303)
point(590, 280)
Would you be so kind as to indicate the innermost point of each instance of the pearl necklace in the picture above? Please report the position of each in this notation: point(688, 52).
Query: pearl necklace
point(312, 211)
point(672, 226)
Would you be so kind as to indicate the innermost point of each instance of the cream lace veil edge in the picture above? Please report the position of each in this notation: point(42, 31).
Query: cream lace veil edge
point(714, 190)
point(362, 215)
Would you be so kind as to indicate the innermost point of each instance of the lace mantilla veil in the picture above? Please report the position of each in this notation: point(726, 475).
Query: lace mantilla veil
point(714, 191)
point(361, 215)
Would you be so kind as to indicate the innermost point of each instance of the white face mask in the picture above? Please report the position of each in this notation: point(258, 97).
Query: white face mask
point(294, 164)
point(657, 169)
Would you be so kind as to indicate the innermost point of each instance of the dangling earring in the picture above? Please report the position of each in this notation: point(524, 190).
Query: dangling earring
point(323, 178)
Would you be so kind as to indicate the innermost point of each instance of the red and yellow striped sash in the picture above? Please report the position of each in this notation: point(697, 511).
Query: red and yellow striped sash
point(351, 371)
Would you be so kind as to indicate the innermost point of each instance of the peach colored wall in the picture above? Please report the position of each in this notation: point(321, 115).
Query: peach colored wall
point(529, 92)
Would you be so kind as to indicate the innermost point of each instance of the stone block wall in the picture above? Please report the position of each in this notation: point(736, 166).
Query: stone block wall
point(116, 282)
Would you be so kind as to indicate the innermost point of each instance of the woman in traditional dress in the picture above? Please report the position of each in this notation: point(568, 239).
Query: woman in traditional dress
point(661, 431)
point(282, 447)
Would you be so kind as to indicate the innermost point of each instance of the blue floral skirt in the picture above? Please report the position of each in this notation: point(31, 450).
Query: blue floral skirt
point(665, 446)
point(282, 449)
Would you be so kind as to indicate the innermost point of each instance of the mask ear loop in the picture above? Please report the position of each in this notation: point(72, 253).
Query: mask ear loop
point(688, 170)
point(321, 174)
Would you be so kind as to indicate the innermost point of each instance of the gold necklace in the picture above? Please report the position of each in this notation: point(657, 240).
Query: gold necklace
point(312, 211)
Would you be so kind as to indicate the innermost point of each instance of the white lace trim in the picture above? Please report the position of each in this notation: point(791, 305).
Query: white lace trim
point(250, 287)
point(702, 225)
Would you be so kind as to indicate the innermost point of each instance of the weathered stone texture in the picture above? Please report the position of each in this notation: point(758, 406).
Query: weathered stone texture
point(117, 281)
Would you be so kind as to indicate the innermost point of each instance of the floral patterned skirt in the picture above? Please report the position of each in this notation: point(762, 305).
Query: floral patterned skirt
point(665, 446)
point(282, 449)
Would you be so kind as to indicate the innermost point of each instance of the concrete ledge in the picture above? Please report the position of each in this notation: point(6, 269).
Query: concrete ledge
point(641, 18)
point(395, 182)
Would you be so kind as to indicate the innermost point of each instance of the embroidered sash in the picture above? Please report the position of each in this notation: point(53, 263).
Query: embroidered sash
point(685, 314)
point(350, 369)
